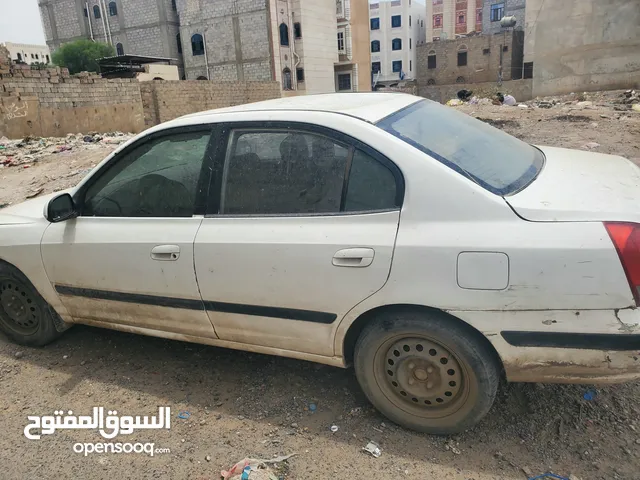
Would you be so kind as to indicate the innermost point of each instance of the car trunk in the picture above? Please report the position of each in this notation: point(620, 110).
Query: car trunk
point(577, 186)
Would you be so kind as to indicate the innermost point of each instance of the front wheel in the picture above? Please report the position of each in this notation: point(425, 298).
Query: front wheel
point(426, 371)
point(25, 317)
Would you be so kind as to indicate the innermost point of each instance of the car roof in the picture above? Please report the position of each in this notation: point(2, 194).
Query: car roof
point(370, 107)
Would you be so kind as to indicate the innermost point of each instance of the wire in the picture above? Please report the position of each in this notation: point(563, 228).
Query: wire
point(536, 20)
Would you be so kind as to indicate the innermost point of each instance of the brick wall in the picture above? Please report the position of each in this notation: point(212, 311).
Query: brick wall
point(163, 101)
point(483, 59)
point(50, 102)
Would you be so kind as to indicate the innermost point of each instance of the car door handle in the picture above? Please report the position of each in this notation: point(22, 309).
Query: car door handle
point(354, 257)
point(166, 253)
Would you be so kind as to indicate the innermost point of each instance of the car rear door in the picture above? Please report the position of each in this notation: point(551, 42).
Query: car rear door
point(300, 228)
point(127, 260)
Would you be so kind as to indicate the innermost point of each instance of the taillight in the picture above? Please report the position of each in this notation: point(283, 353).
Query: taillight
point(626, 238)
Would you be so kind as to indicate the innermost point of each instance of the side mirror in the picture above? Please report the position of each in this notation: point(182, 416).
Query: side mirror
point(61, 208)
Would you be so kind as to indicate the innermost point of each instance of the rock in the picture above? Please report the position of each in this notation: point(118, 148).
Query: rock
point(64, 357)
point(18, 354)
point(638, 441)
point(573, 477)
point(591, 145)
point(294, 425)
point(218, 416)
point(523, 106)
point(527, 471)
point(545, 105)
point(83, 362)
point(584, 104)
point(208, 458)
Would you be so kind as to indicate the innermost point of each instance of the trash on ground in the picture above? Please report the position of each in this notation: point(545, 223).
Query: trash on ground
point(253, 464)
point(549, 475)
point(591, 145)
point(454, 102)
point(589, 395)
point(373, 449)
point(334, 428)
point(313, 407)
point(184, 415)
point(510, 100)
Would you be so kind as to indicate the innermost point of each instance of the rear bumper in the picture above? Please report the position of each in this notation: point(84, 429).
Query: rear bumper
point(589, 346)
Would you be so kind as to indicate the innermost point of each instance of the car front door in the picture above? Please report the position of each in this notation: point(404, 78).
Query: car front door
point(300, 228)
point(127, 260)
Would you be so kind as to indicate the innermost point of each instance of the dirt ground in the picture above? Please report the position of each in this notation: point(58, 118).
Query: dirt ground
point(248, 405)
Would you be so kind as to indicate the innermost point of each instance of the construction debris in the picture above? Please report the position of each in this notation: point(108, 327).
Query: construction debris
point(30, 149)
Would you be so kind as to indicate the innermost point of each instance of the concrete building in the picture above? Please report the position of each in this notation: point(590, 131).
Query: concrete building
point(476, 59)
point(309, 46)
point(397, 28)
point(141, 27)
point(25, 53)
point(448, 18)
point(578, 45)
point(494, 10)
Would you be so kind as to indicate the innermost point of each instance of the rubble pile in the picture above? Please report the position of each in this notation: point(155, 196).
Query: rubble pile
point(30, 149)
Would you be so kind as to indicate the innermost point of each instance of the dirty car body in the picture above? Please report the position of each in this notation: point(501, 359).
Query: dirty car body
point(286, 227)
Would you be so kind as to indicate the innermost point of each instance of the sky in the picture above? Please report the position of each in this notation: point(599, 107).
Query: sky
point(20, 22)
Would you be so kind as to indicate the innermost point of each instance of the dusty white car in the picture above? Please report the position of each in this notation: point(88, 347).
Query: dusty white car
point(430, 250)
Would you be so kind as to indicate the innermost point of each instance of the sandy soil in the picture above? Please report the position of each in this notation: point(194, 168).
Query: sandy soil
point(248, 405)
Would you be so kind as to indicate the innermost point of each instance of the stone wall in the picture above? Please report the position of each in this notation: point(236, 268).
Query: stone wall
point(520, 89)
point(512, 8)
point(163, 101)
point(50, 102)
point(583, 45)
point(484, 54)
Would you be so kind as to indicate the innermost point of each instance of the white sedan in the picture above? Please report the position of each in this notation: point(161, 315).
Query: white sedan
point(433, 252)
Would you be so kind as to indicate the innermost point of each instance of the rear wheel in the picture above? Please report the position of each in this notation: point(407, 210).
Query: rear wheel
point(426, 372)
point(25, 317)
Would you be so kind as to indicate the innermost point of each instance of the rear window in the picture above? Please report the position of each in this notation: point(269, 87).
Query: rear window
point(493, 159)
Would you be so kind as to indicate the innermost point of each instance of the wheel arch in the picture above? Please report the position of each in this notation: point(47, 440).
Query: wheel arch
point(356, 327)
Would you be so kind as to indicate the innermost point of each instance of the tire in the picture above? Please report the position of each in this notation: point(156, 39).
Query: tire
point(25, 317)
point(426, 372)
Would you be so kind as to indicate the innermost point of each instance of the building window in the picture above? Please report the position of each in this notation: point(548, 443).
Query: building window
point(341, 48)
point(19, 57)
point(431, 81)
point(460, 80)
point(410, 43)
point(431, 59)
point(48, 61)
point(86, 12)
point(375, 24)
point(344, 82)
point(113, 9)
point(505, 48)
point(479, 15)
point(421, 23)
point(396, 21)
point(397, 66)
point(396, 44)
point(96, 11)
point(300, 74)
point(497, 12)
point(375, 46)
point(462, 56)
point(179, 42)
point(460, 19)
point(297, 30)
point(174, 7)
point(411, 65)
point(409, 20)
point(437, 21)
point(119, 49)
point(375, 67)
point(197, 45)
point(284, 35)
point(37, 58)
point(286, 79)
point(528, 70)
point(437, 2)
point(340, 8)
point(201, 77)
point(486, 51)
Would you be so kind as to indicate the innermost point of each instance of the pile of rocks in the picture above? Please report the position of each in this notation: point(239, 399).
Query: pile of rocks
point(30, 149)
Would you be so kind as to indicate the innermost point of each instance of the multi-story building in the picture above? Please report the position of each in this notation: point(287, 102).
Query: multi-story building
point(142, 27)
point(494, 10)
point(309, 46)
point(448, 18)
point(397, 28)
point(25, 53)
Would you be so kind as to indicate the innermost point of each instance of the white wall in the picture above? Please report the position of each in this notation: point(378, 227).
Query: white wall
point(28, 52)
point(319, 44)
point(410, 35)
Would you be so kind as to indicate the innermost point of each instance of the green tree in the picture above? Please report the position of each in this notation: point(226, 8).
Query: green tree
point(81, 55)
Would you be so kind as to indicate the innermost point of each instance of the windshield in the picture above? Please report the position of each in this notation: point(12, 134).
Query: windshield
point(493, 159)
